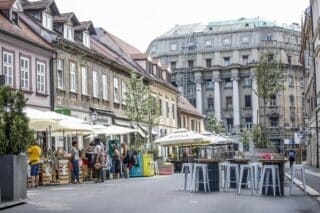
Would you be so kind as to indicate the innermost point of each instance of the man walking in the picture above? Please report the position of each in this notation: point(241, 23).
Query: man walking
point(34, 153)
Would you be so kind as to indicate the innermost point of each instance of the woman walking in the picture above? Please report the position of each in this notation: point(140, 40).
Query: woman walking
point(75, 162)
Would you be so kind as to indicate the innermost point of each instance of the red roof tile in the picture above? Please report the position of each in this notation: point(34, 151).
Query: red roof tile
point(185, 106)
point(128, 48)
point(36, 5)
point(6, 4)
point(140, 56)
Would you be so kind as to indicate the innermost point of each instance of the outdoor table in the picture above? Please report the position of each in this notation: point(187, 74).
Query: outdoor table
point(280, 163)
point(233, 173)
point(213, 173)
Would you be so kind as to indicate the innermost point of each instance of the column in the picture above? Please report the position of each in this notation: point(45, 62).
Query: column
point(255, 100)
point(198, 81)
point(235, 100)
point(217, 98)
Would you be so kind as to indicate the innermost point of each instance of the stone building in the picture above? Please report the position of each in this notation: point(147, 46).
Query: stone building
point(26, 59)
point(310, 59)
point(213, 66)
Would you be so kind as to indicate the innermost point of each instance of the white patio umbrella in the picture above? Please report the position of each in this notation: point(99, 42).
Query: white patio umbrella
point(217, 139)
point(40, 121)
point(113, 130)
point(183, 137)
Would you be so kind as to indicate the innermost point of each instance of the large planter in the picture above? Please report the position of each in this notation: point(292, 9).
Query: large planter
point(13, 178)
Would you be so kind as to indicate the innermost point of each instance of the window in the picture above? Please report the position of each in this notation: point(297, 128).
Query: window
point(229, 124)
point(184, 122)
point(209, 84)
point(192, 125)
point(123, 91)
point(208, 44)
point(84, 80)
point(173, 65)
point(229, 102)
point(228, 83)
point(274, 122)
point(25, 72)
point(41, 77)
point(95, 79)
point(47, 21)
point(269, 37)
point(247, 101)
point(210, 103)
point(247, 82)
point(160, 107)
point(245, 59)
point(226, 61)
point(105, 87)
point(116, 90)
point(68, 32)
point(270, 58)
point(173, 47)
point(244, 40)
point(226, 42)
point(173, 112)
point(248, 123)
point(73, 77)
point(273, 100)
point(60, 73)
point(190, 63)
point(290, 81)
point(291, 101)
point(8, 68)
point(167, 109)
point(302, 82)
point(293, 121)
point(86, 39)
point(191, 45)
point(208, 62)
point(289, 59)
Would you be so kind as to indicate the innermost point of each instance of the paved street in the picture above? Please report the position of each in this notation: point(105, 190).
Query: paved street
point(156, 194)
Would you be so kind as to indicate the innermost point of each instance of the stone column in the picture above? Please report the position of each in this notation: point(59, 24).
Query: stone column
point(217, 99)
point(198, 81)
point(255, 100)
point(235, 100)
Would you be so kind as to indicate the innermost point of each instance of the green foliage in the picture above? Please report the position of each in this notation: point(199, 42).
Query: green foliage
point(246, 135)
point(215, 126)
point(15, 135)
point(260, 138)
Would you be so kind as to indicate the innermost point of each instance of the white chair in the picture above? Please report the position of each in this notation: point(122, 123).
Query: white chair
point(257, 169)
point(196, 177)
point(187, 170)
point(272, 170)
point(228, 175)
point(300, 168)
point(250, 177)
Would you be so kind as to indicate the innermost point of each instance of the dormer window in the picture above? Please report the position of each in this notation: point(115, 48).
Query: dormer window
point(68, 33)
point(86, 39)
point(47, 21)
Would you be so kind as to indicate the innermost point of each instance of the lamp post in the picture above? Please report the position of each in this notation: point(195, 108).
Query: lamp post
point(93, 117)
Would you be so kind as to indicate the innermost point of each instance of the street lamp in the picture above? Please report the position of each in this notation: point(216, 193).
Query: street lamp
point(93, 117)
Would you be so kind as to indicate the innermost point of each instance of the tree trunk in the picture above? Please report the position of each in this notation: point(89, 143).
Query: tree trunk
point(264, 122)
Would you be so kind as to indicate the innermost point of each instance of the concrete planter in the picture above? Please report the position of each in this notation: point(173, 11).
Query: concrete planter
point(13, 178)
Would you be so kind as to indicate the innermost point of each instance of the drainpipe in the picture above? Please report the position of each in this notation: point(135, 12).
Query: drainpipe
point(52, 84)
point(315, 86)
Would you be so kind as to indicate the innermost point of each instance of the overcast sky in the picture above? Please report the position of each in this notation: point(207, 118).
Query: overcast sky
point(140, 21)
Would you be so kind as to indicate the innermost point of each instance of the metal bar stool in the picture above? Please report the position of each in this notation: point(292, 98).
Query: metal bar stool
point(250, 175)
point(272, 170)
point(257, 169)
point(223, 174)
point(196, 177)
point(228, 172)
point(300, 168)
point(187, 170)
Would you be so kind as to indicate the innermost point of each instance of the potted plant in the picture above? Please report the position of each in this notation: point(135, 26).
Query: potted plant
point(15, 137)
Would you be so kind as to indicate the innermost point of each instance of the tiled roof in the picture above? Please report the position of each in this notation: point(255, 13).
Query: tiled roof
point(185, 106)
point(22, 31)
point(65, 17)
point(140, 56)
point(6, 4)
point(155, 61)
point(86, 25)
point(36, 5)
point(128, 48)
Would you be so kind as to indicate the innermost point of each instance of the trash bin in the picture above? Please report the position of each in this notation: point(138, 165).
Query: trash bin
point(136, 170)
point(148, 165)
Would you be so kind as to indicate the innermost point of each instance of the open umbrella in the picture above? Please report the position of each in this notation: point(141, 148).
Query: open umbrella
point(113, 130)
point(40, 121)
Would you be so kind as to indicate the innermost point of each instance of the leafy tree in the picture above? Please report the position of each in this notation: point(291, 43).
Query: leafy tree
point(246, 136)
point(15, 135)
point(214, 125)
point(269, 82)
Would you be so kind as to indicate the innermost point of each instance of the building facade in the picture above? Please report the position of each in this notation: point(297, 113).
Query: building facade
point(310, 58)
point(25, 58)
point(213, 66)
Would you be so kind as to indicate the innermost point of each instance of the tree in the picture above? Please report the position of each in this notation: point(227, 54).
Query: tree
point(269, 82)
point(15, 135)
point(246, 136)
point(214, 125)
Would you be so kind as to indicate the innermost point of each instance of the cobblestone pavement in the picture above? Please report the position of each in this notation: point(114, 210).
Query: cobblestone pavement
point(156, 194)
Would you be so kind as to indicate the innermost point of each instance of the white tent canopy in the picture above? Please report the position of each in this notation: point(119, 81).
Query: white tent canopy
point(183, 137)
point(218, 139)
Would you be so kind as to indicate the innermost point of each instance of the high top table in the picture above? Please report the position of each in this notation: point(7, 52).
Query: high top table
point(280, 163)
point(213, 173)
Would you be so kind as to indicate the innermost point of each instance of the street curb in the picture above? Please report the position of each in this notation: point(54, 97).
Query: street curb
point(310, 191)
point(6, 205)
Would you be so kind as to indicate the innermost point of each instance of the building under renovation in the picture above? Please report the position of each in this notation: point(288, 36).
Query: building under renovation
point(213, 66)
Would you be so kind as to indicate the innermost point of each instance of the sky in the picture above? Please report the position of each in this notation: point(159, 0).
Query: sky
point(138, 22)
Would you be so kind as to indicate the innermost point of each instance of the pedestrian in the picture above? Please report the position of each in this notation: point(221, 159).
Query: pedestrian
point(125, 160)
point(99, 164)
point(292, 157)
point(34, 153)
point(116, 162)
point(75, 156)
